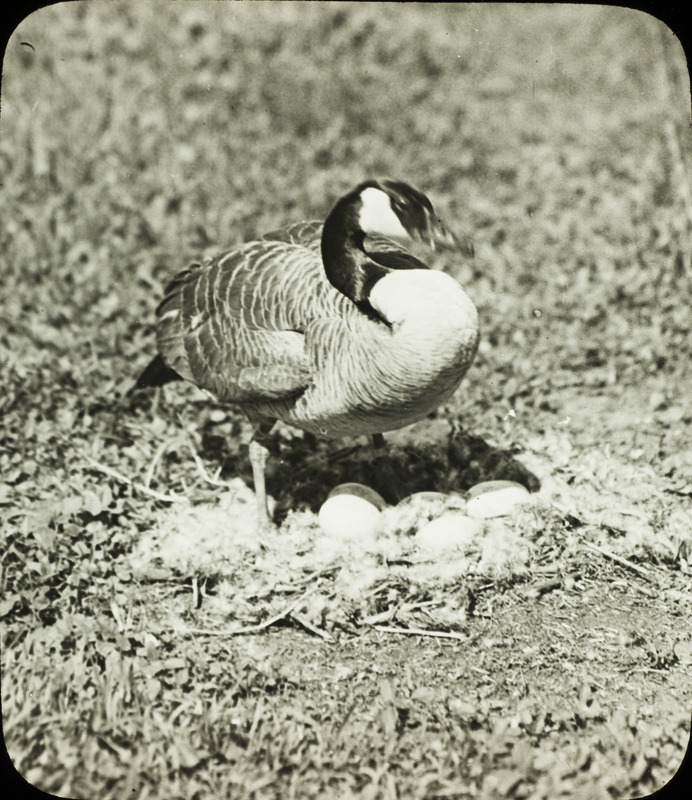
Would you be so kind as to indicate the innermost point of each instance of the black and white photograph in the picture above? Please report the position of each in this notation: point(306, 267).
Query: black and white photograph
point(345, 401)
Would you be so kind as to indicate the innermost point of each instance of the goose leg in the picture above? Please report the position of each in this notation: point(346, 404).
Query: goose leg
point(259, 453)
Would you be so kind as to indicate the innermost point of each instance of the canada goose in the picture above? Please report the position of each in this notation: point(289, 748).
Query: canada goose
point(318, 327)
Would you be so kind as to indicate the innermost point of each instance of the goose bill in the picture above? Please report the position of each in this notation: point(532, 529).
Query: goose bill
point(437, 234)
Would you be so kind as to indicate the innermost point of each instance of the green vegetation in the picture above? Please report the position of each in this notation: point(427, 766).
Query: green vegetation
point(138, 136)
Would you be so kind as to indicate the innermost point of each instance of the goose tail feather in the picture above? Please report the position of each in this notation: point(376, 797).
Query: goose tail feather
point(156, 373)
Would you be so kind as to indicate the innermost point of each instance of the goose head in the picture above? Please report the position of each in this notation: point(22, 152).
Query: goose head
point(376, 208)
point(397, 210)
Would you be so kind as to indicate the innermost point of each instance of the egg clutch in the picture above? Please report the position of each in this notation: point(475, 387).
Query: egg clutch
point(354, 509)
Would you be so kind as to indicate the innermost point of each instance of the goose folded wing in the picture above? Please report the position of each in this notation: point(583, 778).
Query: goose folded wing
point(223, 325)
point(245, 365)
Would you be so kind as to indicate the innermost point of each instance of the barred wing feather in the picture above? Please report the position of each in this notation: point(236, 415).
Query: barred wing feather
point(236, 325)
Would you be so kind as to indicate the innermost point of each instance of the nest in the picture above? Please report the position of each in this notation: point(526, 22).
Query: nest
point(388, 574)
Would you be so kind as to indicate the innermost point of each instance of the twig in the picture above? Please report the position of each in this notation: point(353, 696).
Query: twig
point(384, 616)
point(167, 498)
point(392, 611)
point(310, 627)
point(212, 481)
point(421, 632)
point(619, 560)
point(643, 590)
point(287, 612)
point(534, 592)
point(154, 463)
point(284, 588)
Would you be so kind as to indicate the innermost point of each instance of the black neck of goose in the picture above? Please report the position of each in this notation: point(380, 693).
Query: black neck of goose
point(346, 264)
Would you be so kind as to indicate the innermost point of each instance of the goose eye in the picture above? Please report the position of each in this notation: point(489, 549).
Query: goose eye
point(398, 206)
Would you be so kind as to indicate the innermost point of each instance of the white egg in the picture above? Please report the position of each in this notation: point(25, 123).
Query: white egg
point(414, 511)
point(359, 490)
point(452, 531)
point(495, 499)
point(425, 497)
point(351, 512)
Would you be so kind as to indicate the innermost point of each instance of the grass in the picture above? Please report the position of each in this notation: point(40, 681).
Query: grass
point(135, 137)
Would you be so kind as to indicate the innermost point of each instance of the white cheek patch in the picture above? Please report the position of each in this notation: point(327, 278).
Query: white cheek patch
point(376, 215)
